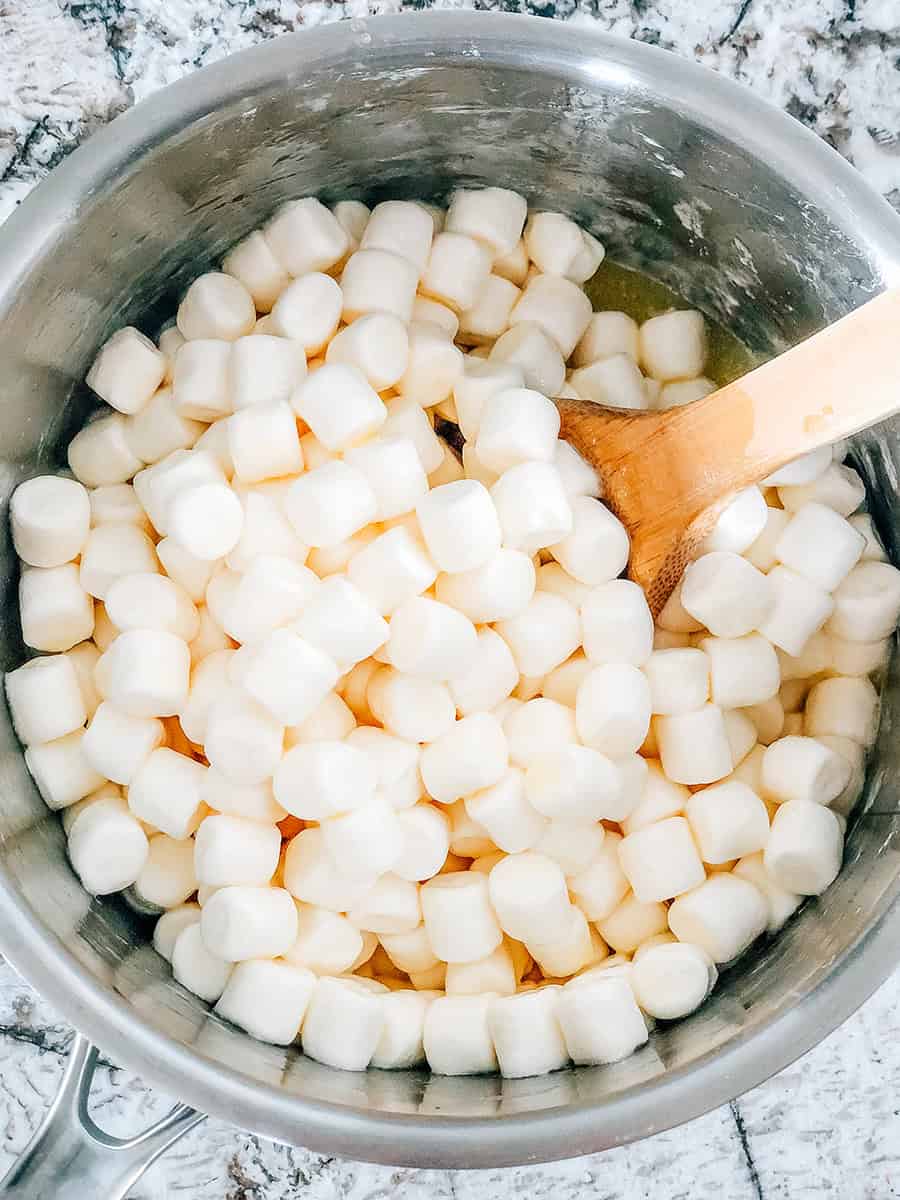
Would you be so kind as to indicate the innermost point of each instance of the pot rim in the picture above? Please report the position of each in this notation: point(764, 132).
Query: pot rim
point(681, 1093)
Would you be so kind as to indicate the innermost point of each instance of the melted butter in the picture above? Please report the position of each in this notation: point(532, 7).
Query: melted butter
point(622, 290)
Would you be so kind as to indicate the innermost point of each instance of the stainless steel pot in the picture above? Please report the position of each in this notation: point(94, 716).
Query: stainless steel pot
point(682, 174)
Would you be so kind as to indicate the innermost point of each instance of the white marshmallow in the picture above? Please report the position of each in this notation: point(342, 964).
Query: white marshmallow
point(330, 503)
point(873, 549)
point(265, 530)
point(216, 306)
point(339, 405)
point(673, 346)
point(242, 739)
point(233, 850)
point(214, 442)
point(543, 634)
point(433, 365)
point(410, 951)
point(457, 270)
point(762, 552)
point(858, 658)
point(397, 764)
point(322, 779)
point(496, 973)
point(147, 673)
point(45, 699)
point(558, 306)
point(127, 370)
point(661, 860)
point(378, 281)
point(514, 265)
point(600, 1020)
point(190, 572)
point(606, 334)
point(517, 425)
point(308, 311)
point(265, 369)
point(50, 518)
point(304, 236)
point(394, 471)
point(500, 589)
point(554, 243)
point(167, 877)
point(208, 678)
point(406, 419)
point(726, 594)
point(658, 799)
point(529, 895)
point(264, 444)
point(674, 618)
point(416, 709)
point(252, 262)
point(117, 504)
point(116, 745)
point(805, 847)
point(596, 549)
point(739, 524)
point(551, 577)
point(468, 839)
point(393, 568)
point(339, 620)
point(456, 1036)
point(430, 639)
point(804, 469)
point(574, 784)
point(743, 670)
point(400, 1044)
point(170, 341)
point(332, 720)
point(867, 603)
point(201, 380)
point(312, 876)
point(494, 216)
point(253, 801)
point(377, 345)
point(504, 811)
point(678, 680)
point(327, 943)
point(149, 601)
point(578, 477)
point(61, 771)
point(249, 922)
point(267, 999)
point(391, 905)
point(471, 756)
point(799, 610)
point(170, 925)
point(837, 487)
point(672, 980)
point(722, 916)
point(112, 551)
point(532, 505)
point(194, 967)
point(489, 316)
point(99, 453)
point(728, 821)
point(272, 592)
point(475, 386)
point(426, 843)
point(528, 347)
point(365, 841)
point(600, 887)
point(781, 903)
point(569, 950)
point(612, 709)
point(105, 633)
point(159, 485)
point(767, 718)
point(526, 1031)
point(445, 511)
point(562, 683)
point(847, 707)
point(488, 678)
point(618, 627)
point(458, 916)
point(820, 545)
point(424, 309)
point(615, 382)
point(288, 676)
point(166, 792)
point(802, 768)
point(693, 747)
point(401, 227)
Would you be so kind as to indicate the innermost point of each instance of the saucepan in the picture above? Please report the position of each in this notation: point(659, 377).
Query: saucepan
point(683, 175)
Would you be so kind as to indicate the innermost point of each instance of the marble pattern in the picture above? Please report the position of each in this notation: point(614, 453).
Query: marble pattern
point(830, 1124)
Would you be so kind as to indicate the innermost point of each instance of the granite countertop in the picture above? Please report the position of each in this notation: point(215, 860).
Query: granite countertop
point(829, 1125)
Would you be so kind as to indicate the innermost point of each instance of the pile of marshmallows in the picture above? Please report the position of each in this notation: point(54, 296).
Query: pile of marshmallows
point(398, 751)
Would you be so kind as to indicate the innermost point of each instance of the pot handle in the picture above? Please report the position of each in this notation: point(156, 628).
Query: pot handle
point(70, 1157)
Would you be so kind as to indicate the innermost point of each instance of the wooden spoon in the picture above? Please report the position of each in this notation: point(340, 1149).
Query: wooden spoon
point(668, 475)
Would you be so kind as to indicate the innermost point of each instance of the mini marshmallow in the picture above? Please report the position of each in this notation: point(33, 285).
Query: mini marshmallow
point(45, 699)
point(410, 951)
point(339, 405)
point(804, 469)
point(569, 950)
point(767, 718)
point(308, 311)
point(249, 922)
point(167, 877)
point(353, 216)
point(419, 710)
point(762, 552)
point(504, 811)
point(365, 841)
point(612, 709)
point(159, 485)
point(406, 419)
point(105, 633)
point(50, 519)
point(529, 895)
point(615, 382)
point(661, 860)
point(618, 627)
point(431, 311)
point(558, 306)
point(253, 801)
point(781, 903)
point(267, 999)
point(340, 621)
point(838, 487)
point(500, 589)
point(322, 779)
point(858, 658)
point(402, 227)
point(270, 593)
point(741, 733)
point(434, 364)
point(201, 380)
point(873, 549)
point(722, 916)
point(252, 262)
point(166, 792)
point(196, 968)
point(327, 943)
point(693, 747)
point(596, 549)
point(554, 242)
point(800, 608)
point(658, 799)
point(99, 453)
point(456, 1036)
point(243, 740)
point(216, 306)
point(430, 639)
point(265, 530)
point(232, 850)
point(288, 676)
point(517, 425)
point(820, 545)
point(170, 925)
point(393, 568)
point(117, 505)
point(147, 673)
point(528, 347)
point(396, 762)
point(678, 680)
point(116, 745)
point(728, 821)
point(107, 851)
point(208, 678)
point(867, 603)
point(145, 600)
point(514, 265)
point(391, 905)
point(332, 720)
point(847, 707)
point(543, 634)
point(496, 973)
point(61, 771)
point(563, 681)
point(444, 511)
point(394, 471)
point(311, 876)
point(672, 980)
point(468, 839)
point(330, 503)
point(377, 345)
point(574, 784)
point(726, 594)
point(526, 1031)
point(533, 508)
point(673, 346)
point(378, 281)
point(457, 269)
point(606, 334)
point(494, 216)
point(805, 847)
point(477, 384)
point(426, 842)
point(489, 316)
point(743, 670)
point(170, 341)
point(127, 370)
point(488, 678)
point(304, 236)
point(214, 442)
point(802, 768)
point(263, 443)
point(192, 573)
point(600, 887)
point(551, 577)
point(600, 1020)
point(471, 756)
point(400, 1044)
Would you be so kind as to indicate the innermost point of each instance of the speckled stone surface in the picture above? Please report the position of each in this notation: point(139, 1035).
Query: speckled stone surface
point(830, 1125)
